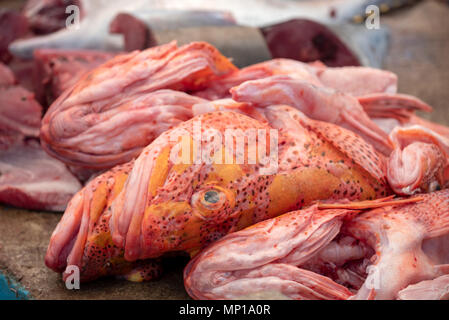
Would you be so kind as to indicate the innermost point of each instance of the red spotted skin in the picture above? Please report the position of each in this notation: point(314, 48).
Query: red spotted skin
point(173, 218)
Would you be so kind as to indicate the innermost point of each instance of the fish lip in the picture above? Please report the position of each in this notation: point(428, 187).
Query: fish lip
point(64, 237)
point(57, 260)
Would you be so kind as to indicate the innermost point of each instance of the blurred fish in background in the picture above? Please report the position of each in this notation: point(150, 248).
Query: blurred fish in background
point(325, 30)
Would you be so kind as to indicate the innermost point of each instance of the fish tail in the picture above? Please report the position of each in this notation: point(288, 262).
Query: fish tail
point(434, 213)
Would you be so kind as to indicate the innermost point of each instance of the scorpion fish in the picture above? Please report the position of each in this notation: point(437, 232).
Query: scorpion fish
point(127, 218)
point(379, 249)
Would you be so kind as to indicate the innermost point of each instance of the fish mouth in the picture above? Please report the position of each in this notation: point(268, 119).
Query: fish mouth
point(346, 260)
point(366, 253)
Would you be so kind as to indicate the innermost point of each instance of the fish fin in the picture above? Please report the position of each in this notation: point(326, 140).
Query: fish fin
point(397, 106)
point(367, 129)
point(432, 212)
point(353, 146)
point(369, 204)
point(436, 127)
point(315, 102)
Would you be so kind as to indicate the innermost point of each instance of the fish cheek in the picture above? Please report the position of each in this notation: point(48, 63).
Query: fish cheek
point(292, 191)
point(101, 256)
point(169, 226)
point(246, 219)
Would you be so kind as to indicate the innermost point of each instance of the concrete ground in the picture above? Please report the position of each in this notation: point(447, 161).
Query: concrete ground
point(419, 51)
point(418, 54)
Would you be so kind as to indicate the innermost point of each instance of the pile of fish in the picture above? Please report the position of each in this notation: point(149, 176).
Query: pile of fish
point(282, 179)
point(56, 58)
point(349, 206)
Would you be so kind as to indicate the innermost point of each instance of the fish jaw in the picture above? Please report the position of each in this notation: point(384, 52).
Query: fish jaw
point(393, 239)
point(416, 168)
point(83, 215)
point(399, 259)
point(83, 237)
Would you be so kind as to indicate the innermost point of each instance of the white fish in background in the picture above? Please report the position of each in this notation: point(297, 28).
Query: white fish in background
point(93, 31)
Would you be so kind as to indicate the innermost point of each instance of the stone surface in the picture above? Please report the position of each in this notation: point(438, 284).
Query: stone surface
point(418, 54)
point(419, 51)
point(24, 237)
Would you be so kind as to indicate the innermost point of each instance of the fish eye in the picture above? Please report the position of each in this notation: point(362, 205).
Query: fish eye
point(211, 199)
point(434, 186)
point(211, 196)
